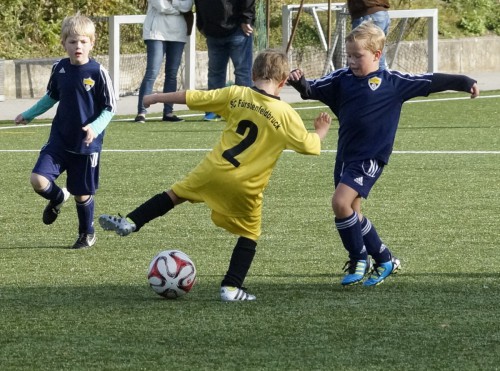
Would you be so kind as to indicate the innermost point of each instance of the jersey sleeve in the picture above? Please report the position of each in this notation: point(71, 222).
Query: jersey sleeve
point(215, 100)
point(52, 87)
point(443, 81)
point(300, 140)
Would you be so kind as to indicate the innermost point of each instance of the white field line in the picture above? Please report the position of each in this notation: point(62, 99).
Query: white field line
point(286, 151)
point(298, 108)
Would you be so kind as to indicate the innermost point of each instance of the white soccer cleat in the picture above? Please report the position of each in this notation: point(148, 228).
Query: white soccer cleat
point(397, 265)
point(118, 224)
point(230, 293)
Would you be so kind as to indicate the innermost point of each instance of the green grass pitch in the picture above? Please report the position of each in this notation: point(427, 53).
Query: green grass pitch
point(436, 206)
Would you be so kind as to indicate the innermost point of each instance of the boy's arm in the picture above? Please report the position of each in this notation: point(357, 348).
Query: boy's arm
point(100, 123)
point(177, 97)
point(40, 107)
point(444, 81)
point(97, 126)
point(298, 81)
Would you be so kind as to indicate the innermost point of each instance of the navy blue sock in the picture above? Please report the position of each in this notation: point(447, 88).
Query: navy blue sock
point(85, 211)
point(350, 233)
point(52, 193)
point(240, 263)
point(374, 245)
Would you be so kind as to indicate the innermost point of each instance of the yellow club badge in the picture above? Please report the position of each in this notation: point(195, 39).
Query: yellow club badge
point(88, 83)
point(374, 83)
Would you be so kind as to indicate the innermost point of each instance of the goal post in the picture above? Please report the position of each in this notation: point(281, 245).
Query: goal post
point(115, 22)
point(401, 45)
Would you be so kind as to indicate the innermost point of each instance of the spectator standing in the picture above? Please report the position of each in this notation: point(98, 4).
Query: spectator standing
point(228, 28)
point(165, 33)
point(371, 10)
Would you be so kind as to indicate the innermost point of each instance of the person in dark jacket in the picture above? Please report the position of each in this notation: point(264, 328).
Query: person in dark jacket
point(228, 28)
point(371, 10)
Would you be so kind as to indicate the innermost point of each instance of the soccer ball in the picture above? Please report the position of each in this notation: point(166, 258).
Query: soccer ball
point(171, 274)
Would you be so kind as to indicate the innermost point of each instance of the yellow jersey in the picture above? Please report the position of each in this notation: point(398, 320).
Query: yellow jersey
point(232, 177)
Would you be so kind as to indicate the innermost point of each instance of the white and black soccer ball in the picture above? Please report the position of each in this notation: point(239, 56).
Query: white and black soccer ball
point(171, 274)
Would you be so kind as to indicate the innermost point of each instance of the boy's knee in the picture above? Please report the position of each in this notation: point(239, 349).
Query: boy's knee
point(38, 182)
point(341, 209)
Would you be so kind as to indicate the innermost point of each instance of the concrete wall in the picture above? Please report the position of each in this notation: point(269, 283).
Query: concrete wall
point(28, 78)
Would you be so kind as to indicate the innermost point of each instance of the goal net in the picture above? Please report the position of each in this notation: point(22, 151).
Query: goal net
point(411, 44)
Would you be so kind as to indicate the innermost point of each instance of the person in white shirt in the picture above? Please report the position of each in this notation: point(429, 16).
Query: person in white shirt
point(165, 32)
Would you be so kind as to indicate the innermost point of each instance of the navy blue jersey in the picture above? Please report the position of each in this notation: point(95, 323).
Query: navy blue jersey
point(83, 92)
point(369, 108)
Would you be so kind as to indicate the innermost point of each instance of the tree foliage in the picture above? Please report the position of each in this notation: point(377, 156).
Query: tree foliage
point(31, 29)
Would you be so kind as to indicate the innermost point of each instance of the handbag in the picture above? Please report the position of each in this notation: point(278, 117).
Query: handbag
point(189, 17)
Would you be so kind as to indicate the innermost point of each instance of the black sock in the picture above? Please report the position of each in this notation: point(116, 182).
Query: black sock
point(153, 208)
point(241, 259)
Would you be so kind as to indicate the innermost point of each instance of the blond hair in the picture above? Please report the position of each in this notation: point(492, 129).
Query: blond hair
point(270, 64)
point(369, 35)
point(78, 25)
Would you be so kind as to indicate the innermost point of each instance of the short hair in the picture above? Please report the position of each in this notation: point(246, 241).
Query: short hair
point(369, 34)
point(270, 64)
point(78, 25)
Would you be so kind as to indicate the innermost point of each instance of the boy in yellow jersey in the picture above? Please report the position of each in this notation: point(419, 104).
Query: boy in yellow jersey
point(233, 176)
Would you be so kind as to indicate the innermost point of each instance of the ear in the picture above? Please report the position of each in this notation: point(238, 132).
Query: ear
point(377, 55)
point(282, 83)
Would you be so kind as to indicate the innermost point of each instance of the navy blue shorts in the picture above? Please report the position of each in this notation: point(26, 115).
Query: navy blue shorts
point(82, 171)
point(359, 175)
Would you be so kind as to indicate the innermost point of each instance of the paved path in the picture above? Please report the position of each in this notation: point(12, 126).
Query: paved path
point(10, 108)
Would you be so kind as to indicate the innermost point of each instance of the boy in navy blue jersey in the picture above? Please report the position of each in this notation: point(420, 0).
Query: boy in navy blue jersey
point(86, 105)
point(368, 102)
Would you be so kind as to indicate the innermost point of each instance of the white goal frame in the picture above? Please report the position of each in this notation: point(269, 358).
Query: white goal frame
point(115, 22)
point(430, 14)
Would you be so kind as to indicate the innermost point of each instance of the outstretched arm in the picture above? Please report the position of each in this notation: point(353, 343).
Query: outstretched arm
point(178, 97)
point(42, 106)
point(444, 81)
point(298, 81)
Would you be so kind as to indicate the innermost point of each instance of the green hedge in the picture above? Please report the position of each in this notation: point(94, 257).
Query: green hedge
point(31, 29)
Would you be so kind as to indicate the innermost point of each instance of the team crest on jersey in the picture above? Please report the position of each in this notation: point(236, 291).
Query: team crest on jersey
point(88, 83)
point(374, 83)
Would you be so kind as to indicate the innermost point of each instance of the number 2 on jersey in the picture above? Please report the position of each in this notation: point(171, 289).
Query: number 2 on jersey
point(247, 141)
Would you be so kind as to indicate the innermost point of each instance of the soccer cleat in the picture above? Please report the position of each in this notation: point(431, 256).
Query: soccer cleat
point(171, 118)
point(140, 118)
point(379, 273)
point(210, 116)
point(230, 293)
point(119, 224)
point(84, 241)
point(52, 211)
point(356, 271)
point(397, 265)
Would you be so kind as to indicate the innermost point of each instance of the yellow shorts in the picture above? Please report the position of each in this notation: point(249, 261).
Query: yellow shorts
point(249, 226)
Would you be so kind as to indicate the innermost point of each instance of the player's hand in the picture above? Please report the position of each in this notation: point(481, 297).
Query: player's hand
point(91, 135)
point(295, 75)
point(148, 100)
point(322, 124)
point(474, 91)
point(20, 120)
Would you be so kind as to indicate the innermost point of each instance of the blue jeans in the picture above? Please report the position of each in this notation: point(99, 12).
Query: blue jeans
point(382, 20)
point(156, 49)
point(239, 48)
